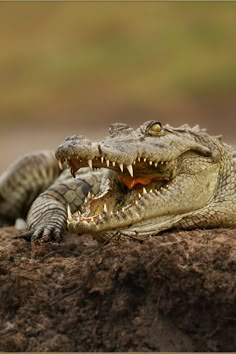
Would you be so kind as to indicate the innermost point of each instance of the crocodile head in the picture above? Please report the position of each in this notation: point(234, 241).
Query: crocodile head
point(150, 175)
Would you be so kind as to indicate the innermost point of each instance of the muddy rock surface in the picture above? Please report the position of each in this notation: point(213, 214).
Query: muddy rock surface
point(174, 292)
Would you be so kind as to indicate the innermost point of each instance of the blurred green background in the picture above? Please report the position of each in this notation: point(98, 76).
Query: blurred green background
point(76, 67)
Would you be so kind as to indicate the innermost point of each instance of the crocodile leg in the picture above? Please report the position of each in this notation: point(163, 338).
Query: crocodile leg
point(47, 217)
point(23, 181)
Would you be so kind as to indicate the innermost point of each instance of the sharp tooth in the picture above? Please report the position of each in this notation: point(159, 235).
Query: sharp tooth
point(102, 159)
point(69, 213)
point(60, 164)
point(113, 163)
point(161, 162)
point(156, 164)
point(121, 167)
point(130, 169)
point(111, 213)
point(85, 200)
point(108, 163)
point(144, 159)
point(134, 162)
point(144, 190)
point(77, 156)
point(90, 163)
point(123, 209)
point(72, 172)
point(139, 195)
point(136, 202)
point(150, 162)
point(89, 195)
point(150, 191)
point(105, 208)
point(138, 159)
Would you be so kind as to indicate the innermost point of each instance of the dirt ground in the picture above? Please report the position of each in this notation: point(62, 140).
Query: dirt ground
point(174, 292)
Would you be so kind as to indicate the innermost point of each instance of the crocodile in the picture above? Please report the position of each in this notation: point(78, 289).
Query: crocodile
point(135, 182)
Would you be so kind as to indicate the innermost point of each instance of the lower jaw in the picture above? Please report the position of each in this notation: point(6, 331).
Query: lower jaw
point(115, 201)
point(129, 190)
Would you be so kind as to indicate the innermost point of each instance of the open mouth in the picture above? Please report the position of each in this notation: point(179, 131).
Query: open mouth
point(123, 189)
point(141, 171)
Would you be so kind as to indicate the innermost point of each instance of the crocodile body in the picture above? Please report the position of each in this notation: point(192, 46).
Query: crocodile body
point(135, 182)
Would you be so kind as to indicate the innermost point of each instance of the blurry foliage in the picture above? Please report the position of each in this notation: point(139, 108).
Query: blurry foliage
point(66, 57)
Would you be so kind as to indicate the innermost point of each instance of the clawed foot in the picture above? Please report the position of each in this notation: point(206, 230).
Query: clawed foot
point(43, 235)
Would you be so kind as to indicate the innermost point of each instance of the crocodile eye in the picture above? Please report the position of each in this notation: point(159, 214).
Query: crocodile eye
point(155, 128)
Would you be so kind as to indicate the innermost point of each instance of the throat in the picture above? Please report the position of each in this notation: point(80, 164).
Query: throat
point(131, 182)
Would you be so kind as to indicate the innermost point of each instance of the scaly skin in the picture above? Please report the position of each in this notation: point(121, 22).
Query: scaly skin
point(23, 181)
point(172, 177)
point(147, 180)
point(34, 186)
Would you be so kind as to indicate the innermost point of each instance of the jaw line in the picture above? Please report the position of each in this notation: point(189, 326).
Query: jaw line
point(135, 201)
point(134, 169)
point(123, 218)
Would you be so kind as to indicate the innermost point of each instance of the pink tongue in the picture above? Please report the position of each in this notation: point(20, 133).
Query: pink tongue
point(130, 182)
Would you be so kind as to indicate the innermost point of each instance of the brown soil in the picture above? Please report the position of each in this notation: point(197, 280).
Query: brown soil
point(175, 292)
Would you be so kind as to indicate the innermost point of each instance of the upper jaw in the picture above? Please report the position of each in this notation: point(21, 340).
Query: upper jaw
point(79, 152)
point(134, 169)
point(127, 153)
